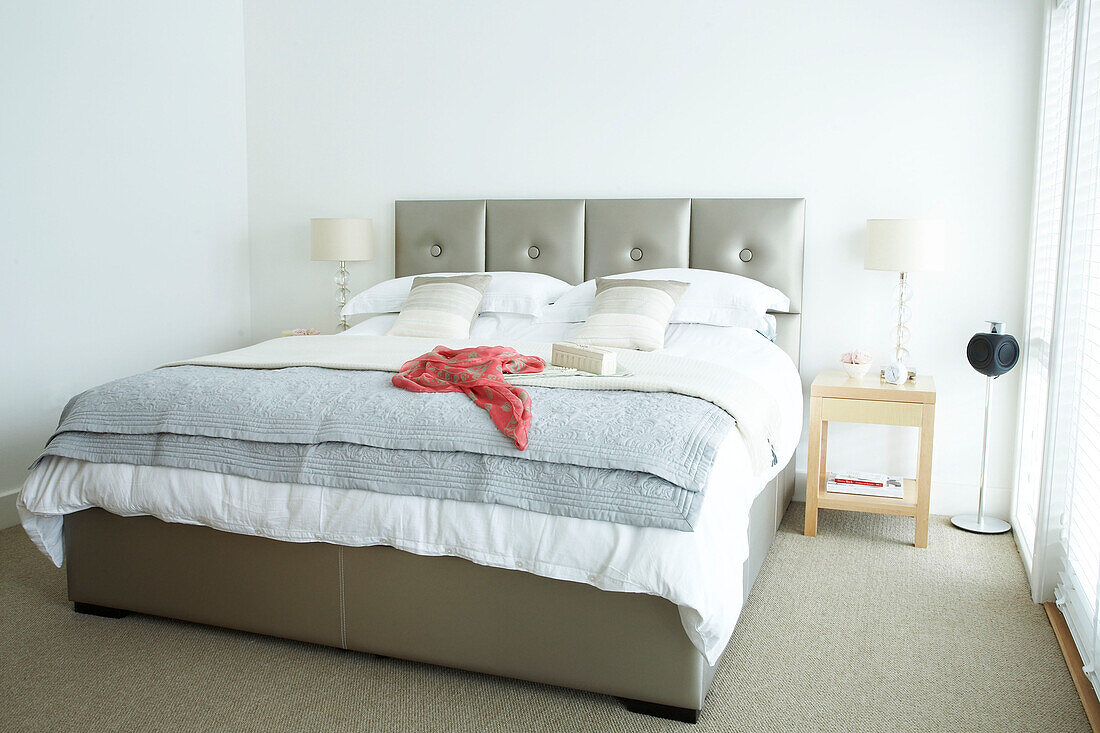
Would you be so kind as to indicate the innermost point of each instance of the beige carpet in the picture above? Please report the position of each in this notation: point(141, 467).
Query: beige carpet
point(853, 630)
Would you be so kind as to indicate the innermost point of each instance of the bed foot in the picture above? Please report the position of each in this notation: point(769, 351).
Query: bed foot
point(93, 610)
point(670, 712)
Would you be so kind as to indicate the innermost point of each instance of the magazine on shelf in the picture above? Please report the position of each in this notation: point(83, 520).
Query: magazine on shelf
point(866, 484)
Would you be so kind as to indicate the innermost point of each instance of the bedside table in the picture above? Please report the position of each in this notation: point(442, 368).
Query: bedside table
point(836, 397)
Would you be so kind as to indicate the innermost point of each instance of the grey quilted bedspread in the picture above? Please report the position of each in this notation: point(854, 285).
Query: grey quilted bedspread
point(639, 458)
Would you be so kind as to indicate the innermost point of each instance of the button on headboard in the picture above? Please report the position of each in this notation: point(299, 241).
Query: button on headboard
point(577, 239)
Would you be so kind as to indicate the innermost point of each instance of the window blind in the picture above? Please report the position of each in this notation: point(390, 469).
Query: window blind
point(1074, 464)
point(1046, 239)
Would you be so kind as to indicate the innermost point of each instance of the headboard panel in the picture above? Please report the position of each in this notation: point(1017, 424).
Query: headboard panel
point(758, 238)
point(575, 239)
point(626, 235)
point(439, 236)
point(536, 236)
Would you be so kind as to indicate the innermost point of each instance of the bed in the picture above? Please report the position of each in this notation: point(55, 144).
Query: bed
point(435, 604)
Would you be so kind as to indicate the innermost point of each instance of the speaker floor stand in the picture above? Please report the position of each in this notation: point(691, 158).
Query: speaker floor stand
point(981, 525)
point(979, 522)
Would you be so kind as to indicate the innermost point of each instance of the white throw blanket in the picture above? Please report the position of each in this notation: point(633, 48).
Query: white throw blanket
point(753, 407)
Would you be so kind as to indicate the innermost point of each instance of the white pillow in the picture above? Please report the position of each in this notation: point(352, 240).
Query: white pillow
point(714, 298)
point(487, 326)
point(376, 325)
point(510, 327)
point(526, 293)
point(631, 313)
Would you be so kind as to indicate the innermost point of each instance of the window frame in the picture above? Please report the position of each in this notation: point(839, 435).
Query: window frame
point(1043, 559)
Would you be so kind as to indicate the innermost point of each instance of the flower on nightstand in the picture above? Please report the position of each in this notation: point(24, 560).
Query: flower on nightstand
point(305, 332)
point(856, 362)
point(856, 356)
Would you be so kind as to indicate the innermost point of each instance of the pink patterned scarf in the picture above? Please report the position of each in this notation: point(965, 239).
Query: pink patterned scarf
point(479, 372)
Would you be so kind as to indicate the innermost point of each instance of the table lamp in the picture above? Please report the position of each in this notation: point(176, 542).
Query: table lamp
point(343, 241)
point(904, 246)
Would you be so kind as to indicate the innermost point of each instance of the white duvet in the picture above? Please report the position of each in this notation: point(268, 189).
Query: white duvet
point(700, 571)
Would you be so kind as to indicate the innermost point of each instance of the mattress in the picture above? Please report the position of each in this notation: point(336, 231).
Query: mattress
point(700, 571)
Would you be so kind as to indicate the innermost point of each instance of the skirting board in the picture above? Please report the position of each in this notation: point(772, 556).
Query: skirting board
point(948, 499)
point(9, 517)
point(1073, 660)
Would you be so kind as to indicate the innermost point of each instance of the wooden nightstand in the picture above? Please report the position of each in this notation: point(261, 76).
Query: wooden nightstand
point(835, 397)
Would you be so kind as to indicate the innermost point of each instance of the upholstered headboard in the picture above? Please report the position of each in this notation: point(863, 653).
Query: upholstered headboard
point(580, 239)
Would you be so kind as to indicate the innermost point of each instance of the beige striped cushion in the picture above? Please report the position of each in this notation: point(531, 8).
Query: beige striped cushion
point(441, 307)
point(631, 314)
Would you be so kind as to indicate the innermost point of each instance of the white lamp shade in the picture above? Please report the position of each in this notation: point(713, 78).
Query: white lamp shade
point(905, 245)
point(341, 239)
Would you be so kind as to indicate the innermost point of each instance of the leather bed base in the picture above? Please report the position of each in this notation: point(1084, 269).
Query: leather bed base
point(440, 610)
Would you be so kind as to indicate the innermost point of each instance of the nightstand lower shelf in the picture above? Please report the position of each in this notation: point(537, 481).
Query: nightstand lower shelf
point(903, 507)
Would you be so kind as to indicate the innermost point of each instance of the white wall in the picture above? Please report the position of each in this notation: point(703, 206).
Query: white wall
point(868, 109)
point(123, 200)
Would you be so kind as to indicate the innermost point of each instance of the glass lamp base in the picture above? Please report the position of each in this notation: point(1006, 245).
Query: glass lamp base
point(903, 294)
point(342, 292)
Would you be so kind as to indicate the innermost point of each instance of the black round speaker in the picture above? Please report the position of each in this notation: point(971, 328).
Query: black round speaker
point(993, 354)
